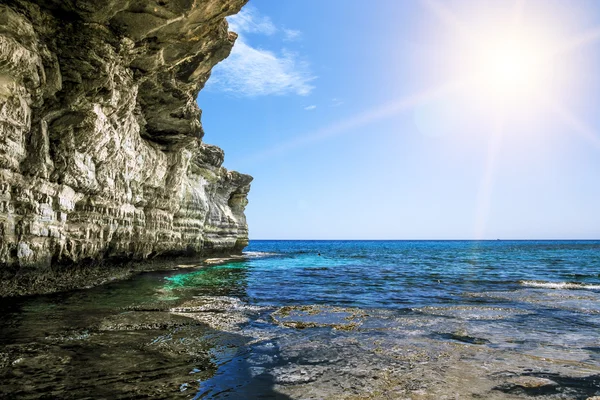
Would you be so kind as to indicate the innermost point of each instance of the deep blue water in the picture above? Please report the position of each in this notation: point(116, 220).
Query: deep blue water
point(401, 274)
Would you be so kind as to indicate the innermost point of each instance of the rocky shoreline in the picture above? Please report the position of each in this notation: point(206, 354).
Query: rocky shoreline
point(162, 341)
point(85, 275)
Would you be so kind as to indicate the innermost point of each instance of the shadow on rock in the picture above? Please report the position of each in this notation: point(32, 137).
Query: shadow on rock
point(545, 384)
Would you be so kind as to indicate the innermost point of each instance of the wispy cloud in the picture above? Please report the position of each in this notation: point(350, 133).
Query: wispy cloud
point(335, 102)
point(291, 34)
point(254, 71)
point(250, 21)
point(356, 121)
point(310, 108)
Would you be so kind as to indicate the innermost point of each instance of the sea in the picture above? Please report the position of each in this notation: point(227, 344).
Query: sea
point(325, 320)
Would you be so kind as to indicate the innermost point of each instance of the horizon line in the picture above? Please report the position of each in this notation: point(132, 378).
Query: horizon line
point(430, 240)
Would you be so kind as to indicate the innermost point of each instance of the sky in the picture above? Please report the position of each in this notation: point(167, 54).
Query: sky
point(378, 120)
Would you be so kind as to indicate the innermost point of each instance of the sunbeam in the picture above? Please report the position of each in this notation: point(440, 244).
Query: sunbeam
point(504, 69)
point(447, 17)
point(576, 125)
point(504, 54)
point(484, 195)
point(515, 59)
point(585, 39)
point(365, 118)
point(518, 12)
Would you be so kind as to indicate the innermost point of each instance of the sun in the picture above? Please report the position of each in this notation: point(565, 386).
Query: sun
point(505, 56)
point(510, 68)
point(503, 68)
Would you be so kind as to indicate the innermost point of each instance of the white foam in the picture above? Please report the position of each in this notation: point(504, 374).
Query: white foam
point(560, 285)
point(255, 254)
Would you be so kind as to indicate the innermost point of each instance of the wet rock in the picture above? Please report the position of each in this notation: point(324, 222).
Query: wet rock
point(473, 312)
point(227, 322)
point(532, 382)
point(312, 316)
point(297, 374)
point(219, 312)
point(142, 320)
point(462, 337)
point(109, 364)
point(529, 385)
point(159, 305)
point(69, 336)
point(101, 152)
point(208, 303)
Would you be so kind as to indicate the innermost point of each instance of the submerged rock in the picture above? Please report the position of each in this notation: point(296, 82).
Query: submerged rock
point(143, 320)
point(101, 153)
point(314, 316)
point(219, 312)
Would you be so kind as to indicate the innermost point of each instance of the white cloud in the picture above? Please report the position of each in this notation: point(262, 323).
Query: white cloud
point(291, 34)
point(255, 72)
point(335, 102)
point(250, 21)
point(310, 108)
point(252, 71)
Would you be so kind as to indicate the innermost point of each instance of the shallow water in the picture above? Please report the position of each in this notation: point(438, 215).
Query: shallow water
point(323, 319)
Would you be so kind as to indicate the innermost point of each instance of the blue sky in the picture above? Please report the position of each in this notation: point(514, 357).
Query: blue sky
point(347, 116)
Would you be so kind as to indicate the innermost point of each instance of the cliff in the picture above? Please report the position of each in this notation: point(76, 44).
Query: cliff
point(101, 153)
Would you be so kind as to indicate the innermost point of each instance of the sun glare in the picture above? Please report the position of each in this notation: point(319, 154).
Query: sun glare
point(506, 56)
point(509, 69)
point(518, 64)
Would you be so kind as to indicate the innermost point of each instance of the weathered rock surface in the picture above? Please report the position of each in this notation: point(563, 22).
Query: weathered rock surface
point(101, 153)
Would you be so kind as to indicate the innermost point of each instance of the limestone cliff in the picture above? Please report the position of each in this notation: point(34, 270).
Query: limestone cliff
point(101, 153)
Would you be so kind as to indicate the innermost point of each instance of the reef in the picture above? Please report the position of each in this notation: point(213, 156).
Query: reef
point(101, 151)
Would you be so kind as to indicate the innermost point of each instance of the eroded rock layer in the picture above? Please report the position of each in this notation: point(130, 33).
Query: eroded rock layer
point(101, 152)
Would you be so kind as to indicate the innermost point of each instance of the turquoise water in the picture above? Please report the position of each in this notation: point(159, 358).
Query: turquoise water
point(323, 319)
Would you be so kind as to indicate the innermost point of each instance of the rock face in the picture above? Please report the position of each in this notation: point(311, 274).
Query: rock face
point(101, 153)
